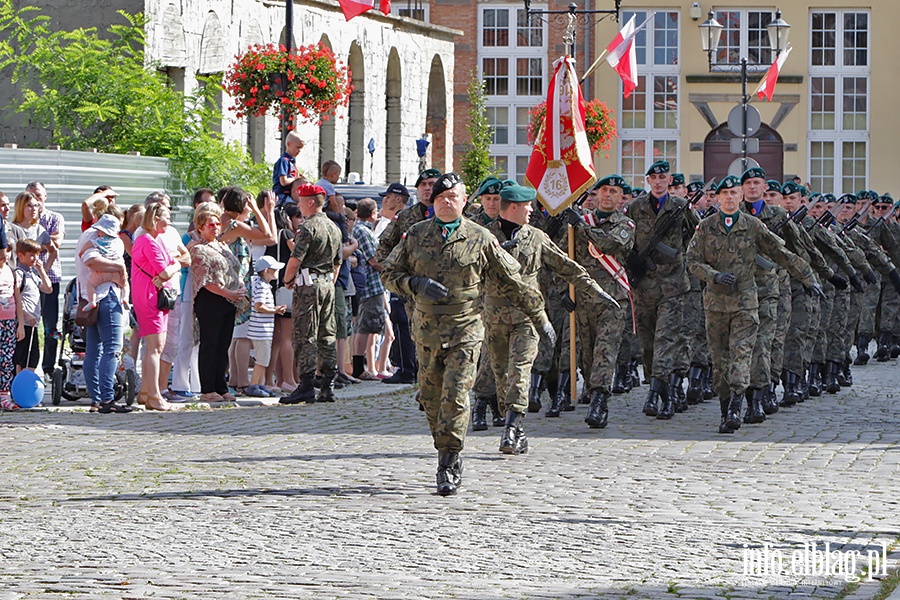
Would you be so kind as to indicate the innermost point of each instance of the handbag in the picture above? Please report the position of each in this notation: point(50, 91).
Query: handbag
point(84, 317)
point(165, 296)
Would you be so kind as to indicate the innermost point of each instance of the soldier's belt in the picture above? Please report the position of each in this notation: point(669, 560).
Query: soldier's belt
point(445, 309)
point(497, 301)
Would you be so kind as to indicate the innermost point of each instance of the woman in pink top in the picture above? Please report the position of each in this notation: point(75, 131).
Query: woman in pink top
point(151, 268)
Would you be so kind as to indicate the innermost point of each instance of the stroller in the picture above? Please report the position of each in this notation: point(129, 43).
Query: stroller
point(68, 378)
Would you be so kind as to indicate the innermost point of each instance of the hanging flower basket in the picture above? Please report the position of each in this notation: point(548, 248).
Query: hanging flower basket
point(599, 124)
point(307, 84)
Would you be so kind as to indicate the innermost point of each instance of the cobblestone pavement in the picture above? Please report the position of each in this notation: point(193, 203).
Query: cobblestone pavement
point(336, 500)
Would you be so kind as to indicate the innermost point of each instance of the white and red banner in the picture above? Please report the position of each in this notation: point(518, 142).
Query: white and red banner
point(622, 56)
point(766, 87)
point(354, 8)
point(561, 168)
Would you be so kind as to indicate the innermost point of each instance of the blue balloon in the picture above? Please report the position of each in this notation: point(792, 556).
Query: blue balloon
point(27, 389)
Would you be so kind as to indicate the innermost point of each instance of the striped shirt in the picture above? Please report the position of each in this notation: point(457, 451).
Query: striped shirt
point(262, 326)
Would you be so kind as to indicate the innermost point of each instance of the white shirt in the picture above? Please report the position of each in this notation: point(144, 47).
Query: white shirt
point(83, 272)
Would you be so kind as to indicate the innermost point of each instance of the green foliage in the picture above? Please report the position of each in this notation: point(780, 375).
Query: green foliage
point(477, 162)
point(93, 91)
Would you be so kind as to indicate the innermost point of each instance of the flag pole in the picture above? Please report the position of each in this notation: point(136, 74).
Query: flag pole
point(593, 66)
point(573, 365)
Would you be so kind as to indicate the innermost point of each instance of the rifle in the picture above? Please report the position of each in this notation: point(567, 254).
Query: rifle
point(883, 218)
point(638, 262)
point(825, 220)
point(709, 211)
point(853, 222)
point(554, 224)
point(797, 216)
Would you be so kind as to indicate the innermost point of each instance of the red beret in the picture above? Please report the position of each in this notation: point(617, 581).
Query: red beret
point(308, 189)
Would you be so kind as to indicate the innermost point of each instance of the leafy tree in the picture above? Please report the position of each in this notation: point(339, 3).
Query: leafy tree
point(477, 162)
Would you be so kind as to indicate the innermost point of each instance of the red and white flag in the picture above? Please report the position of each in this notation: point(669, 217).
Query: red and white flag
point(561, 168)
point(766, 87)
point(622, 56)
point(354, 8)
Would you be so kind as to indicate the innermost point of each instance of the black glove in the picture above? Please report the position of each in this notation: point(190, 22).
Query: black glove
point(817, 290)
point(838, 281)
point(894, 276)
point(869, 276)
point(548, 334)
point(571, 216)
point(509, 244)
point(856, 282)
point(427, 287)
point(725, 279)
point(567, 302)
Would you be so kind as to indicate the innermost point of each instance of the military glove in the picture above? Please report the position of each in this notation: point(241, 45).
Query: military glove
point(567, 302)
point(725, 279)
point(509, 244)
point(838, 281)
point(817, 290)
point(428, 287)
point(856, 282)
point(894, 276)
point(547, 334)
point(572, 217)
point(869, 276)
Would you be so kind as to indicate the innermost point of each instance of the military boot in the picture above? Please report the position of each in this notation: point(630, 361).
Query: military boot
point(895, 346)
point(534, 392)
point(557, 400)
point(791, 393)
point(754, 412)
point(635, 374)
point(803, 383)
point(326, 389)
point(814, 380)
point(862, 351)
point(585, 396)
point(841, 376)
point(496, 418)
point(830, 378)
point(676, 391)
point(598, 413)
point(618, 386)
point(845, 371)
point(479, 414)
point(513, 440)
point(551, 384)
point(449, 472)
point(770, 399)
point(883, 353)
point(695, 385)
point(731, 413)
point(667, 396)
point(304, 392)
point(708, 392)
point(656, 393)
point(566, 404)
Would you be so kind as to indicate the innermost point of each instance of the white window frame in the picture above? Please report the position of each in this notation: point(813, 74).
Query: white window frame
point(397, 7)
point(838, 136)
point(744, 45)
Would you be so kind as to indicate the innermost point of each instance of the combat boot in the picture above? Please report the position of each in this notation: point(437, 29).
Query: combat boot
point(883, 353)
point(731, 413)
point(895, 346)
point(566, 405)
point(449, 472)
point(791, 393)
point(513, 440)
point(695, 385)
point(848, 376)
point(551, 384)
point(814, 380)
point(534, 392)
point(635, 375)
point(304, 392)
point(862, 351)
point(479, 414)
point(830, 378)
point(657, 391)
point(676, 391)
point(754, 412)
point(770, 399)
point(585, 396)
point(618, 386)
point(667, 396)
point(708, 392)
point(598, 413)
point(496, 418)
point(803, 384)
point(557, 400)
point(326, 390)
point(840, 375)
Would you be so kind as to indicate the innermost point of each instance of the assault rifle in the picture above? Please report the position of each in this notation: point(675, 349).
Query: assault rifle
point(883, 218)
point(825, 220)
point(853, 223)
point(639, 262)
point(797, 216)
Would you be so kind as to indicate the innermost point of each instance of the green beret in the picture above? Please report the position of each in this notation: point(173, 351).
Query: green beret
point(635, 192)
point(828, 198)
point(790, 187)
point(885, 198)
point(660, 166)
point(677, 179)
point(518, 193)
point(753, 172)
point(489, 185)
point(626, 190)
point(695, 186)
point(729, 182)
point(773, 186)
point(814, 195)
point(872, 194)
point(804, 191)
point(614, 180)
point(863, 195)
point(427, 174)
point(445, 182)
point(847, 199)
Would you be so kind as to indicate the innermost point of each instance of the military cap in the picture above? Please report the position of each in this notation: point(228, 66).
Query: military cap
point(828, 198)
point(445, 182)
point(518, 193)
point(814, 195)
point(626, 190)
point(753, 172)
point(395, 188)
point(427, 174)
point(308, 189)
point(489, 185)
point(863, 195)
point(790, 187)
point(635, 192)
point(509, 182)
point(660, 166)
point(694, 187)
point(847, 199)
point(727, 183)
point(885, 199)
point(773, 186)
point(677, 179)
point(614, 180)
point(804, 191)
point(872, 194)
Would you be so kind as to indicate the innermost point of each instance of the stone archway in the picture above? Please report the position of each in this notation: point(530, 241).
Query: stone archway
point(717, 155)
point(355, 159)
point(436, 114)
point(212, 46)
point(393, 131)
point(327, 134)
point(174, 46)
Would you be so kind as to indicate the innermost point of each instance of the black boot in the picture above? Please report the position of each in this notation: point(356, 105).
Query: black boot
point(556, 401)
point(635, 375)
point(848, 376)
point(708, 392)
point(598, 413)
point(304, 392)
point(731, 413)
point(326, 390)
point(895, 346)
point(831, 383)
point(667, 398)
point(449, 472)
point(839, 375)
point(803, 384)
point(496, 418)
point(695, 385)
point(862, 351)
point(754, 412)
point(618, 386)
point(479, 414)
point(770, 399)
point(585, 396)
point(656, 393)
point(359, 366)
point(791, 393)
point(534, 392)
point(551, 384)
point(513, 440)
point(883, 353)
point(814, 379)
point(676, 392)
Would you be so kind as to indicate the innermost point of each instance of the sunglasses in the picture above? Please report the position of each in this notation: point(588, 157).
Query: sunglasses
point(213, 225)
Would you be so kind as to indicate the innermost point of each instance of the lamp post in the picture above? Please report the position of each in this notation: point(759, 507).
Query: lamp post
point(710, 36)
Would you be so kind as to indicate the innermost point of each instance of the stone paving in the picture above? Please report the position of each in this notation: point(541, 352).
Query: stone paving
point(336, 501)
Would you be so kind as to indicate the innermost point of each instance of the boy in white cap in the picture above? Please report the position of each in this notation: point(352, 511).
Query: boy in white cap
point(262, 322)
point(106, 245)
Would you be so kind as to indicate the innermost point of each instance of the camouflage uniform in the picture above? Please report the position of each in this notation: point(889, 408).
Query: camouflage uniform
point(882, 235)
point(449, 332)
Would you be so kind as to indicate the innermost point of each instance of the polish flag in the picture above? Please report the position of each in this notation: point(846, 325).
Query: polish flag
point(766, 87)
point(354, 8)
point(622, 56)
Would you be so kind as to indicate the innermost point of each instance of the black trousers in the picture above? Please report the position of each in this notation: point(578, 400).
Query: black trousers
point(403, 351)
point(215, 316)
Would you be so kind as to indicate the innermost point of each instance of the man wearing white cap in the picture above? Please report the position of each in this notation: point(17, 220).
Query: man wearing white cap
point(262, 321)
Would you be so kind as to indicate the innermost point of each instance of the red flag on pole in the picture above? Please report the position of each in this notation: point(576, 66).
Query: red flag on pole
point(354, 8)
point(561, 168)
point(766, 87)
point(622, 56)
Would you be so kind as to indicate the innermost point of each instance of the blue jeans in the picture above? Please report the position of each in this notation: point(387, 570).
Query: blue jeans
point(104, 342)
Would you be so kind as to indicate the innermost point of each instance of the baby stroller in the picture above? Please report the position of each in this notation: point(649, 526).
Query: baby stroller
point(68, 378)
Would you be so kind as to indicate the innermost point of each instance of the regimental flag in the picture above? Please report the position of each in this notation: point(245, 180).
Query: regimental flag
point(354, 8)
point(560, 168)
point(766, 87)
point(622, 56)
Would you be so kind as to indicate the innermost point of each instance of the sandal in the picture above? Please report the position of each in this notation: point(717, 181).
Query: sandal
point(211, 397)
point(114, 407)
point(228, 397)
